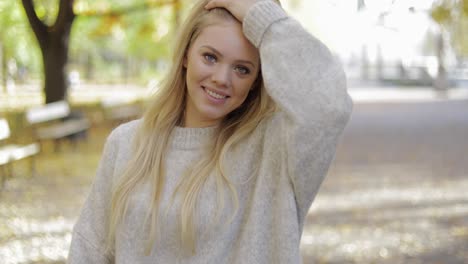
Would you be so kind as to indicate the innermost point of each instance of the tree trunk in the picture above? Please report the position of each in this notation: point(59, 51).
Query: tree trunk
point(53, 42)
point(360, 5)
point(364, 63)
point(89, 70)
point(441, 82)
point(54, 59)
point(3, 67)
point(379, 63)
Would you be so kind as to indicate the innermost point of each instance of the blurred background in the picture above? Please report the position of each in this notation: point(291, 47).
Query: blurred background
point(72, 70)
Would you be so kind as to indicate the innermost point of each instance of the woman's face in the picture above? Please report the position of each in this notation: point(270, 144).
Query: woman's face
point(221, 67)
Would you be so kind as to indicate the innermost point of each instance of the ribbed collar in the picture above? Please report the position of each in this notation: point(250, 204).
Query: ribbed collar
point(191, 138)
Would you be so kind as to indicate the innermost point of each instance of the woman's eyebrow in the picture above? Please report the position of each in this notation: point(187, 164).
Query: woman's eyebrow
point(221, 55)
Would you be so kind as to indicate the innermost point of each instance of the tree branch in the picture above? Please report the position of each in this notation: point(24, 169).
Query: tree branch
point(126, 10)
point(65, 15)
point(38, 27)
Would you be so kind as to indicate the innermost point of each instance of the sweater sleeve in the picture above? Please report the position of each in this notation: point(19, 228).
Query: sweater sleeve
point(309, 87)
point(89, 233)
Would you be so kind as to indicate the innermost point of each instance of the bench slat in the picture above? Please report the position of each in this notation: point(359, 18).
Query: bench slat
point(4, 157)
point(48, 112)
point(64, 129)
point(4, 129)
point(12, 152)
point(22, 152)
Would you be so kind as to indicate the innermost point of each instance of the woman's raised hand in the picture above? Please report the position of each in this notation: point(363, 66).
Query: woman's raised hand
point(237, 8)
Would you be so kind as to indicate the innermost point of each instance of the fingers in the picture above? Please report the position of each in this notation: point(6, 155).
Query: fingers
point(216, 3)
point(237, 8)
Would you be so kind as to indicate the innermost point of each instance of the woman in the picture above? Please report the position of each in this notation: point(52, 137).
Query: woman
point(225, 163)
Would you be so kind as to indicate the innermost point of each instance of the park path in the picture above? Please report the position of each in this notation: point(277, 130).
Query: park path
point(398, 189)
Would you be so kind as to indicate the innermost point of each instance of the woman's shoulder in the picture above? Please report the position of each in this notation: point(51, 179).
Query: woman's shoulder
point(128, 128)
point(125, 131)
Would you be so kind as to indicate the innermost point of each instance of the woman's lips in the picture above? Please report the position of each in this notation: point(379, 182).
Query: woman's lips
point(215, 96)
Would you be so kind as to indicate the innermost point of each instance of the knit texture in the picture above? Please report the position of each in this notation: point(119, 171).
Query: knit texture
point(277, 170)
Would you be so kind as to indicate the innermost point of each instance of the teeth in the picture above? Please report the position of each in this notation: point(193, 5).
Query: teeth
point(215, 95)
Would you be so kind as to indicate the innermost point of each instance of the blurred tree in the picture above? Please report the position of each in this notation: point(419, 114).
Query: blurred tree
point(452, 17)
point(52, 20)
point(361, 4)
point(3, 71)
point(14, 42)
point(53, 42)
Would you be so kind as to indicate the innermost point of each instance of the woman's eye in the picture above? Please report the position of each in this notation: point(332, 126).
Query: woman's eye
point(242, 70)
point(209, 57)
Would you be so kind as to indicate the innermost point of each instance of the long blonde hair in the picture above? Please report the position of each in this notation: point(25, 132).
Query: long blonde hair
point(162, 116)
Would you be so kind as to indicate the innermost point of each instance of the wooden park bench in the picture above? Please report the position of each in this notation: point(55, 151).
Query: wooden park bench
point(118, 110)
point(10, 153)
point(54, 121)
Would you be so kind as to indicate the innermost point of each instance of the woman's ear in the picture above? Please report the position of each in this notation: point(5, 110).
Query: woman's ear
point(184, 63)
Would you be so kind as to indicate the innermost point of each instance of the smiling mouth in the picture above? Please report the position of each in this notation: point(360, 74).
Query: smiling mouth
point(214, 94)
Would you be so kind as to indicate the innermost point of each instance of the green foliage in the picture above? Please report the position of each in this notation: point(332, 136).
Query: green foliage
point(46, 10)
point(148, 34)
point(140, 33)
point(17, 37)
point(441, 14)
point(101, 38)
point(452, 16)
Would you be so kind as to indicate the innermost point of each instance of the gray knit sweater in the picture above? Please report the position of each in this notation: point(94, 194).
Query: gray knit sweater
point(277, 170)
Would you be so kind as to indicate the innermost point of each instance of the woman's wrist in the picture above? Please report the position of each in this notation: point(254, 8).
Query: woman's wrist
point(259, 18)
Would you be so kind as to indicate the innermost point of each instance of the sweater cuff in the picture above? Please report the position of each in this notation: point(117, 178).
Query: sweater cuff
point(259, 18)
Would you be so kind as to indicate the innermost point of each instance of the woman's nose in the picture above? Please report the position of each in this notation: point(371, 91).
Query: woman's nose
point(221, 75)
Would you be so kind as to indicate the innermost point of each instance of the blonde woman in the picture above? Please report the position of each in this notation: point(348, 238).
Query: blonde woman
point(227, 160)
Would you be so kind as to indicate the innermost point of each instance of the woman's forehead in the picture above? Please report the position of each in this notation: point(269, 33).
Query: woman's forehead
point(228, 39)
